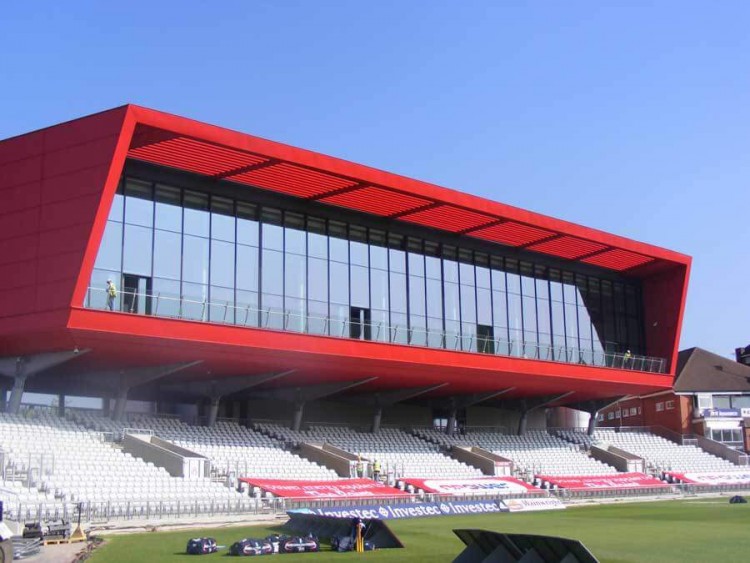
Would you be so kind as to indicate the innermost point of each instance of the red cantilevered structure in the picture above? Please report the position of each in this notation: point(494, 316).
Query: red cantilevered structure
point(57, 186)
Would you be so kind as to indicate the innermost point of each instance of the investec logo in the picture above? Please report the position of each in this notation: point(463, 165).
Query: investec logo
point(469, 507)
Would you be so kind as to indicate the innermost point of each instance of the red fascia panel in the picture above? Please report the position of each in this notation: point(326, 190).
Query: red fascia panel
point(567, 247)
point(512, 234)
point(292, 180)
point(195, 156)
point(377, 201)
point(617, 259)
point(449, 218)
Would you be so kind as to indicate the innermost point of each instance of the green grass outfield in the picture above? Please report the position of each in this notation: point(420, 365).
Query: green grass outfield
point(692, 531)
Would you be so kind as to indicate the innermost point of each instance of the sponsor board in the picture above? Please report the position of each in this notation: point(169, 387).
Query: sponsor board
point(474, 486)
point(345, 488)
point(534, 504)
point(712, 477)
point(411, 510)
point(721, 413)
point(615, 481)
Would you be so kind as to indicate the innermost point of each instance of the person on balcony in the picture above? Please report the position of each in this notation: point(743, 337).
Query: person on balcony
point(111, 294)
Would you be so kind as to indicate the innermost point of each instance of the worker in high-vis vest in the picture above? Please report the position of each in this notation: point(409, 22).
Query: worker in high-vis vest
point(360, 467)
point(111, 294)
point(376, 470)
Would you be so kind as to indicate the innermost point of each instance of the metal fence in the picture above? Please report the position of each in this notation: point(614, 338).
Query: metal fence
point(223, 312)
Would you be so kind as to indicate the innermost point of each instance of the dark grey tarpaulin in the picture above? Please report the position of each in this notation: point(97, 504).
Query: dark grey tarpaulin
point(376, 531)
point(496, 547)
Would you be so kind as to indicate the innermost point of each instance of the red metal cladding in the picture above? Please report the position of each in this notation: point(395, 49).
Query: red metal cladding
point(512, 233)
point(293, 180)
point(448, 218)
point(377, 201)
point(194, 156)
point(567, 247)
point(617, 259)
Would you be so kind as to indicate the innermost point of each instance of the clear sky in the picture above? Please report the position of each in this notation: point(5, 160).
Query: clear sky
point(631, 117)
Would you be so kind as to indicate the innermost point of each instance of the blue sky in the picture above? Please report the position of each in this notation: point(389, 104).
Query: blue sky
point(629, 117)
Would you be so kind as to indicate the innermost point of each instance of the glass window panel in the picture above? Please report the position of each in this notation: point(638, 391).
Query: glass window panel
point(295, 275)
point(379, 257)
point(515, 323)
point(435, 299)
point(452, 310)
point(137, 257)
point(360, 290)
point(418, 330)
point(433, 268)
point(468, 304)
point(247, 232)
point(484, 307)
point(247, 308)
point(317, 322)
point(295, 241)
point(247, 268)
point(296, 318)
point(416, 264)
point(339, 284)
point(398, 292)
point(317, 245)
point(166, 300)
point(399, 328)
point(195, 259)
point(196, 218)
point(167, 254)
point(116, 211)
point(273, 237)
point(317, 279)
point(168, 214)
point(483, 277)
point(339, 249)
point(221, 307)
point(359, 253)
point(110, 249)
point(379, 289)
point(273, 315)
point(380, 325)
point(222, 263)
point(450, 271)
point(339, 319)
point(222, 227)
point(272, 274)
point(417, 295)
point(397, 260)
point(139, 211)
point(194, 301)
point(469, 337)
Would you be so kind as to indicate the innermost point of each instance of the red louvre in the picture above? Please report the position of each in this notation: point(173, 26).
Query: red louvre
point(449, 218)
point(617, 259)
point(292, 180)
point(567, 247)
point(512, 233)
point(378, 201)
point(195, 156)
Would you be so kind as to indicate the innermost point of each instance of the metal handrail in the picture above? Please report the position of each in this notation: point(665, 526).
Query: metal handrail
point(290, 321)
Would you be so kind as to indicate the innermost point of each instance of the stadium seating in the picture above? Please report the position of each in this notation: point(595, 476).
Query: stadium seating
point(399, 453)
point(53, 460)
point(535, 452)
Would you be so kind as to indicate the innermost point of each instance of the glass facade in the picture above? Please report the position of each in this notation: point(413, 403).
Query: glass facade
point(180, 252)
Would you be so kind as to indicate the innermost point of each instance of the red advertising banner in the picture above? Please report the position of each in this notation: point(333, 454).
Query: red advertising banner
point(614, 481)
point(712, 477)
point(472, 486)
point(344, 488)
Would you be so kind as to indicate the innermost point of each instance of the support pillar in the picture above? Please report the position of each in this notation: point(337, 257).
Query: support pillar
point(299, 409)
point(3, 399)
point(106, 406)
point(16, 394)
point(592, 423)
point(451, 428)
point(61, 405)
point(120, 403)
point(213, 412)
point(377, 419)
point(522, 423)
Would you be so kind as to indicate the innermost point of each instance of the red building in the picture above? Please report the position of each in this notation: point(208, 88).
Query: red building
point(249, 272)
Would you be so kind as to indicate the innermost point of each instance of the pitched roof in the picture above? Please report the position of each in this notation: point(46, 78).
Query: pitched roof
point(700, 370)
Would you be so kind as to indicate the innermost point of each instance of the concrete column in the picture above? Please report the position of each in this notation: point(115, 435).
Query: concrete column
point(236, 410)
point(16, 394)
point(377, 418)
point(592, 423)
point(3, 399)
point(299, 409)
point(120, 403)
point(106, 406)
point(451, 428)
point(213, 412)
point(522, 423)
point(61, 405)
